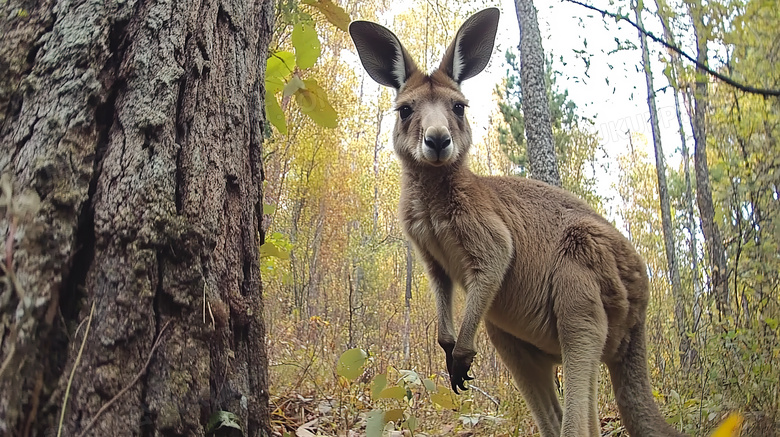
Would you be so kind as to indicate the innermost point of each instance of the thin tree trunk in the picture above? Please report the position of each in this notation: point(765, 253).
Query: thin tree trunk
point(313, 298)
point(536, 107)
point(138, 125)
point(377, 146)
point(690, 222)
point(712, 236)
point(663, 195)
point(408, 306)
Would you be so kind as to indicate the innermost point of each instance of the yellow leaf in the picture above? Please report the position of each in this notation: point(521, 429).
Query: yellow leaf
point(333, 12)
point(314, 102)
point(730, 427)
point(395, 392)
point(443, 398)
point(307, 45)
point(394, 415)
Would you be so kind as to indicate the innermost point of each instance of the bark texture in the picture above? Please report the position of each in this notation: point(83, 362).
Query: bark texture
point(138, 125)
point(712, 237)
point(663, 196)
point(536, 106)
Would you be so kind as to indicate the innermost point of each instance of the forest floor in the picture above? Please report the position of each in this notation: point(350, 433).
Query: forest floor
point(309, 416)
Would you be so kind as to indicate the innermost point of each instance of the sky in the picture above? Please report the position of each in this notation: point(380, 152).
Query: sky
point(617, 105)
point(614, 98)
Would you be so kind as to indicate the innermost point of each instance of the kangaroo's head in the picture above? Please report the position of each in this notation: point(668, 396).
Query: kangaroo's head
point(431, 126)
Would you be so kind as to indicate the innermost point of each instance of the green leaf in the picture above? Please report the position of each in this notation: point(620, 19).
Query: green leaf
point(670, 76)
point(307, 45)
point(268, 209)
point(270, 249)
point(273, 85)
point(293, 85)
point(429, 385)
point(314, 102)
point(279, 65)
point(411, 423)
point(771, 322)
point(333, 12)
point(223, 419)
point(351, 363)
point(379, 384)
point(395, 392)
point(375, 423)
point(274, 113)
point(394, 415)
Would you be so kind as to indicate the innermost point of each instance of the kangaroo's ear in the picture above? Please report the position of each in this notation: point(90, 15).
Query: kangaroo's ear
point(469, 53)
point(382, 54)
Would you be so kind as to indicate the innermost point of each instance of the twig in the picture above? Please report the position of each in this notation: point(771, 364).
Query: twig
point(9, 243)
point(73, 370)
point(9, 358)
point(213, 322)
point(108, 404)
point(14, 282)
point(492, 398)
point(35, 404)
point(722, 77)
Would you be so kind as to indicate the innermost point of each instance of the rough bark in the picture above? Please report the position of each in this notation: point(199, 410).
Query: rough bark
point(663, 195)
point(139, 126)
point(536, 110)
point(712, 237)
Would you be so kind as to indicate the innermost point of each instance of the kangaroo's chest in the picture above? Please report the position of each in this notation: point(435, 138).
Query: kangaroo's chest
point(431, 231)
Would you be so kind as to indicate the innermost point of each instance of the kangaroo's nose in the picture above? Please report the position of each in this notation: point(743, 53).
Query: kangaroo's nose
point(437, 138)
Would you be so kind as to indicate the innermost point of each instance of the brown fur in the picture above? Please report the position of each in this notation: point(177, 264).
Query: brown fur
point(553, 281)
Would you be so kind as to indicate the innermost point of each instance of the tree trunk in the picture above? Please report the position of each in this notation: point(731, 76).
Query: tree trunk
point(408, 307)
point(677, 67)
point(536, 107)
point(663, 195)
point(377, 148)
point(138, 125)
point(712, 236)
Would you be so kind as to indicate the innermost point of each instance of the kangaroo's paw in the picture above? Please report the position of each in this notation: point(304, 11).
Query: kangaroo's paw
point(458, 366)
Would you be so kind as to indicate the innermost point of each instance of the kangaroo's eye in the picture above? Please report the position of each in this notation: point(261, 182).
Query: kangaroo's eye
point(459, 109)
point(405, 111)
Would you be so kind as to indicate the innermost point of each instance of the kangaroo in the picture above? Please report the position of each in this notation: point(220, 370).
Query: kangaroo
point(553, 281)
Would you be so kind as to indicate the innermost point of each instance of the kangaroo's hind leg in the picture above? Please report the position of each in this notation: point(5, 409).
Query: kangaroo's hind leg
point(532, 370)
point(582, 332)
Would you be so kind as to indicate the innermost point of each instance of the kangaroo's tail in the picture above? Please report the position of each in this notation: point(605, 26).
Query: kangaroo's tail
point(633, 393)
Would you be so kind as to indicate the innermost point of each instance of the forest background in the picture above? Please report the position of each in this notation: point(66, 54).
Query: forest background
point(339, 275)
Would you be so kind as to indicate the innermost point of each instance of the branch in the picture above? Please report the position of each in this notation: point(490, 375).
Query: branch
point(723, 78)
